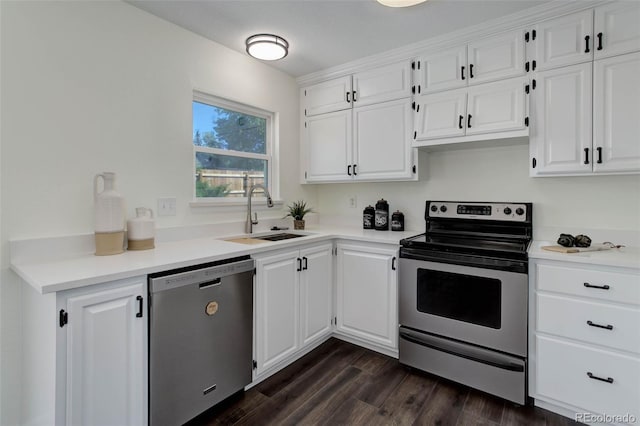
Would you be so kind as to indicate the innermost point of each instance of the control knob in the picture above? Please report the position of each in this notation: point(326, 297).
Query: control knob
point(434, 208)
point(507, 210)
point(519, 211)
point(443, 209)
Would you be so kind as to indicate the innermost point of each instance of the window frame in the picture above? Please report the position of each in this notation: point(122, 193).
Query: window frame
point(270, 156)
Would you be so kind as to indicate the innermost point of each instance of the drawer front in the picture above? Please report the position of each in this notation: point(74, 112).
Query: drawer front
point(591, 322)
point(611, 286)
point(563, 370)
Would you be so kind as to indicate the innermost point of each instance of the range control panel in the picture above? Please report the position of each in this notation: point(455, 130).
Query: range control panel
point(516, 212)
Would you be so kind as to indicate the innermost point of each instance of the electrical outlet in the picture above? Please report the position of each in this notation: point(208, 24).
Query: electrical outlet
point(167, 206)
point(353, 202)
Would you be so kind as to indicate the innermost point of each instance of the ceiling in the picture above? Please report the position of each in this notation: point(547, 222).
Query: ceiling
point(326, 33)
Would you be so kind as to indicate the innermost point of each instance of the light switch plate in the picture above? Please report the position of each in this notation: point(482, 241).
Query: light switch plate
point(353, 201)
point(167, 206)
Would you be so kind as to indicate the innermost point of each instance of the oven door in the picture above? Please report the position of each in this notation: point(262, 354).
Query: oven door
point(484, 307)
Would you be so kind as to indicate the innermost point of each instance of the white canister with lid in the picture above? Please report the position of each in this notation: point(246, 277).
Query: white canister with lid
point(141, 230)
point(109, 215)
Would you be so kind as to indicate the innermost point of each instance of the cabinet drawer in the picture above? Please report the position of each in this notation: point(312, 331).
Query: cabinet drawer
point(611, 286)
point(563, 370)
point(572, 318)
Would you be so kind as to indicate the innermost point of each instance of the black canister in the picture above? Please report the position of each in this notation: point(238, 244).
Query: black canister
point(397, 221)
point(382, 215)
point(368, 216)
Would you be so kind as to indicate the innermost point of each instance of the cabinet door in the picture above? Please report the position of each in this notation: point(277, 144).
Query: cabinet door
point(367, 294)
point(315, 293)
point(496, 107)
point(107, 357)
point(277, 308)
point(328, 147)
point(327, 96)
point(616, 121)
point(496, 58)
point(564, 41)
point(617, 28)
point(442, 70)
point(382, 135)
point(560, 138)
point(382, 84)
point(441, 115)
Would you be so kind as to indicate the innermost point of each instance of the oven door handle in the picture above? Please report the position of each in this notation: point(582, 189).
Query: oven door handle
point(462, 350)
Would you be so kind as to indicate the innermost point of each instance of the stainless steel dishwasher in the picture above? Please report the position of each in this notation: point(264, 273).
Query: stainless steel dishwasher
point(200, 338)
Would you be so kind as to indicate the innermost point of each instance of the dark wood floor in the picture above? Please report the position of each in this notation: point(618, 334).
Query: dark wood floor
point(343, 384)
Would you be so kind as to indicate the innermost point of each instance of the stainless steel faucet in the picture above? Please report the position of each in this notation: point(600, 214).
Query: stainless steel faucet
point(248, 228)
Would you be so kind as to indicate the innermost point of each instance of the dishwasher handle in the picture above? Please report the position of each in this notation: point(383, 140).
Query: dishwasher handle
point(206, 276)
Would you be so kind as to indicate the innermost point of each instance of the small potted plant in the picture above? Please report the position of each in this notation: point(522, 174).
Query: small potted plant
point(297, 211)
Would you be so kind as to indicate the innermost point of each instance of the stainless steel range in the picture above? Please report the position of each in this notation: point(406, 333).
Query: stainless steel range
point(463, 295)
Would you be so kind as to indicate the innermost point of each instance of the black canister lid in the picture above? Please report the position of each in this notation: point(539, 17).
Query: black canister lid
point(382, 204)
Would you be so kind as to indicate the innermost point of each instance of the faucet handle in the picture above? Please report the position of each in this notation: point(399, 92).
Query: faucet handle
point(255, 219)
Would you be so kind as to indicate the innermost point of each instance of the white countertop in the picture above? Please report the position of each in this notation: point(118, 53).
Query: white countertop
point(625, 257)
point(85, 269)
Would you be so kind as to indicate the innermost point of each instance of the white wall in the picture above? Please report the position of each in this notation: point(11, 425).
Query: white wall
point(102, 86)
point(499, 174)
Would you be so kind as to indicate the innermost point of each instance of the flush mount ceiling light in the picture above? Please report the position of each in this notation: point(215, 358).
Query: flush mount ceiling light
point(400, 3)
point(267, 47)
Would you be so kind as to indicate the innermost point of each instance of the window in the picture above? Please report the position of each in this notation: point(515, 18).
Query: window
point(232, 148)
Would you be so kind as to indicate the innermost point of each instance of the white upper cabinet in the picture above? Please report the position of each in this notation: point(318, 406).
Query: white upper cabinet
point(496, 107)
point(496, 58)
point(488, 59)
point(562, 41)
point(617, 29)
point(371, 139)
point(328, 96)
point(492, 110)
point(560, 138)
point(441, 115)
point(616, 126)
point(382, 141)
point(442, 70)
point(328, 146)
point(382, 84)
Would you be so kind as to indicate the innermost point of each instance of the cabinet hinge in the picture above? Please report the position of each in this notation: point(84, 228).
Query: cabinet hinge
point(64, 318)
point(526, 121)
point(255, 364)
point(526, 37)
point(533, 34)
point(414, 169)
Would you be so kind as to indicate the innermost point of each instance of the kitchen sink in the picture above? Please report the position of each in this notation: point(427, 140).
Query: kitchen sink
point(278, 237)
point(264, 238)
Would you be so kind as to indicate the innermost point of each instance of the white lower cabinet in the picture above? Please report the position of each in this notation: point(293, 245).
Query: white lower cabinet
point(367, 294)
point(584, 345)
point(293, 302)
point(105, 342)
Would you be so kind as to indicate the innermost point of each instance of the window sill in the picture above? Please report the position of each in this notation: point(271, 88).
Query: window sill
point(235, 204)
